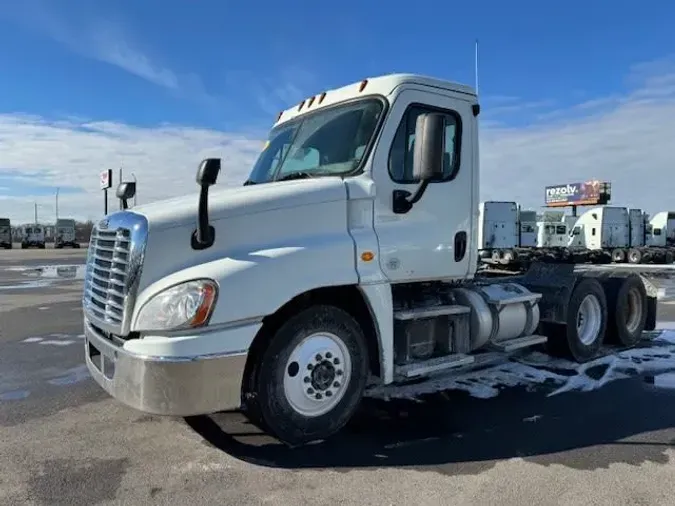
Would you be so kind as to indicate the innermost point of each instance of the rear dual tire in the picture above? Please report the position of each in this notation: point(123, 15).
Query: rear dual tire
point(627, 303)
point(581, 337)
point(613, 310)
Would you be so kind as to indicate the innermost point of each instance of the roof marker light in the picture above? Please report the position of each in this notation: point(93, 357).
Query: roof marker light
point(363, 85)
point(311, 101)
point(321, 97)
point(301, 104)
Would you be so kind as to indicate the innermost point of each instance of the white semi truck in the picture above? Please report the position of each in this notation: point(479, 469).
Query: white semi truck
point(510, 236)
point(625, 234)
point(5, 233)
point(65, 234)
point(346, 261)
point(33, 236)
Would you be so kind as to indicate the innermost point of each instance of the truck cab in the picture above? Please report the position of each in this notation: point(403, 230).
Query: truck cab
point(33, 236)
point(552, 234)
point(5, 233)
point(347, 260)
point(64, 234)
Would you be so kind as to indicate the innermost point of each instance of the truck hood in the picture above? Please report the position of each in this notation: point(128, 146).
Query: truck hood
point(242, 200)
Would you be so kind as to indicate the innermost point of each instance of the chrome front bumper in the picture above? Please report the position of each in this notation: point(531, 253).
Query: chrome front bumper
point(177, 386)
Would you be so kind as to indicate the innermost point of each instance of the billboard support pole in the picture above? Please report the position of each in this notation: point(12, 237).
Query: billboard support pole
point(105, 202)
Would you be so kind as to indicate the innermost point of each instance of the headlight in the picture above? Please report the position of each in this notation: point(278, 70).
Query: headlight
point(183, 306)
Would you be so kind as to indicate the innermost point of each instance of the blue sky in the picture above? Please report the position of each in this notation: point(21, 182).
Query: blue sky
point(220, 70)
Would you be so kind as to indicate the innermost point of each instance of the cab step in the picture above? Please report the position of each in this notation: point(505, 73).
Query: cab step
point(430, 312)
point(433, 365)
point(521, 342)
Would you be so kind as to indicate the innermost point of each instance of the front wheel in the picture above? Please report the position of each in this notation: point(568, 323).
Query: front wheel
point(311, 377)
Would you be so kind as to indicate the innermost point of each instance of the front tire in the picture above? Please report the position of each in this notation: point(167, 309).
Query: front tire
point(311, 378)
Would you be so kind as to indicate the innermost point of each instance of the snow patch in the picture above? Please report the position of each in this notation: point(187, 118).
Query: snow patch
point(71, 376)
point(56, 339)
point(15, 395)
point(535, 369)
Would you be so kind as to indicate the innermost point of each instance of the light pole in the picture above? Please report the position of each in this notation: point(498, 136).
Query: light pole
point(57, 204)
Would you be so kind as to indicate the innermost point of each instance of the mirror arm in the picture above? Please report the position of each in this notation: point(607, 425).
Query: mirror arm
point(403, 201)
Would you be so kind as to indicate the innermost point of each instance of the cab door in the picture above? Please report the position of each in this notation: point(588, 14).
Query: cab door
point(433, 240)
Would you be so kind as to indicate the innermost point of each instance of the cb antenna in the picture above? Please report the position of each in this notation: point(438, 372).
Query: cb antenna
point(476, 67)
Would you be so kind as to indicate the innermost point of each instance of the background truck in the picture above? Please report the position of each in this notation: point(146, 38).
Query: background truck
point(347, 261)
point(552, 234)
point(625, 235)
point(64, 234)
point(5, 233)
point(33, 236)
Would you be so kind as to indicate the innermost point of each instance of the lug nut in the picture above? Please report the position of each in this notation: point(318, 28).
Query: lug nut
point(310, 391)
point(328, 393)
point(318, 357)
point(318, 397)
point(336, 384)
point(329, 355)
point(336, 361)
point(310, 367)
point(339, 372)
point(306, 379)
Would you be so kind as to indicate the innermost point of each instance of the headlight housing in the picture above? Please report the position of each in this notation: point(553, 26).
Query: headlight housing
point(183, 306)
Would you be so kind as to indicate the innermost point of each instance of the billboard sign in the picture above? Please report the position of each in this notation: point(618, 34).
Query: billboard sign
point(577, 194)
point(105, 178)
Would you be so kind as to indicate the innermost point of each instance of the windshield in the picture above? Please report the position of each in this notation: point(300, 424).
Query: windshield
point(331, 142)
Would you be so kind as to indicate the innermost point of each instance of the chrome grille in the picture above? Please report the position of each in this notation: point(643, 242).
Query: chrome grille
point(113, 266)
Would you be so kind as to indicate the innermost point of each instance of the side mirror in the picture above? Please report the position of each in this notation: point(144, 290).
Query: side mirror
point(126, 191)
point(205, 235)
point(428, 158)
point(207, 174)
point(429, 149)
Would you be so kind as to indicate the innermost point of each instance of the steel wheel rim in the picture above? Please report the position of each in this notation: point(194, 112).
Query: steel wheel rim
point(317, 374)
point(634, 310)
point(589, 319)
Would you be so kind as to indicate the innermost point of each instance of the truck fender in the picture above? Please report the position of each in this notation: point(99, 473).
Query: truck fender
point(379, 300)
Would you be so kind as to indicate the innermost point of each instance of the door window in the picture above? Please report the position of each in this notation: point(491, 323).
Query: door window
point(403, 147)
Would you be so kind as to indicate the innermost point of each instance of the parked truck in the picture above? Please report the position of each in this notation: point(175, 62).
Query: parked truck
point(5, 233)
point(624, 234)
point(33, 236)
point(65, 234)
point(511, 237)
point(347, 261)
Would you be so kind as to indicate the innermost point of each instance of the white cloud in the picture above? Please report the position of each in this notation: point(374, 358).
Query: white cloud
point(624, 138)
point(72, 153)
point(100, 34)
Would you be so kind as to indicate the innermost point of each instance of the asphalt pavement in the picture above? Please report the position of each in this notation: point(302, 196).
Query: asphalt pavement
point(536, 431)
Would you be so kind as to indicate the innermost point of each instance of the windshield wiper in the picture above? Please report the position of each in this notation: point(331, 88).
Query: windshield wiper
point(248, 182)
point(296, 175)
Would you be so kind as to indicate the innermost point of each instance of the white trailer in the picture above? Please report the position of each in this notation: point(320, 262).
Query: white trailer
point(361, 250)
